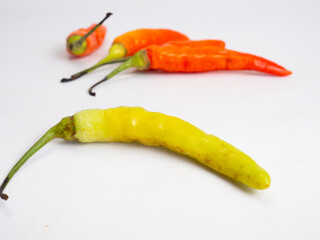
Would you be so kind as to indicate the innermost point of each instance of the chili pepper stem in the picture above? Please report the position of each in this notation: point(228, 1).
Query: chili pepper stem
point(140, 61)
point(77, 44)
point(65, 129)
point(81, 40)
point(116, 54)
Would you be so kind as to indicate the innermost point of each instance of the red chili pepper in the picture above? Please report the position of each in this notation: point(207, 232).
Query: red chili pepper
point(131, 42)
point(195, 56)
point(207, 58)
point(86, 40)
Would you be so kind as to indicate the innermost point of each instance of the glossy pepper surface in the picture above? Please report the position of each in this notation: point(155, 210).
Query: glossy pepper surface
point(128, 124)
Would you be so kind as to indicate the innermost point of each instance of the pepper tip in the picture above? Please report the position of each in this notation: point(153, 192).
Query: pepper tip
point(285, 72)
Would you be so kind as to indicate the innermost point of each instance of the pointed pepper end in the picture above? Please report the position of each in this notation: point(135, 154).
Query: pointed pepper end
point(284, 72)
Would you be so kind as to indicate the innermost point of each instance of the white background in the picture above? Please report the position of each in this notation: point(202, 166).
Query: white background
point(129, 191)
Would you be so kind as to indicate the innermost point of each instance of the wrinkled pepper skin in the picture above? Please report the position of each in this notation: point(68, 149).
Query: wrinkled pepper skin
point(194, 56)
point(92, 43)
point(203, 58)
point(127, 124)
point(84, 41)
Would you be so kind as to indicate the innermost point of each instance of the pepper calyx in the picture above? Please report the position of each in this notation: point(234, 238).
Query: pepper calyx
point(75, 46)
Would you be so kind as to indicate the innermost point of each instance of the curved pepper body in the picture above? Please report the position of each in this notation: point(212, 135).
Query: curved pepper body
point(93, 41)
point(194, 56)
point(127, 124)
point(136, 40)
point(203, 57)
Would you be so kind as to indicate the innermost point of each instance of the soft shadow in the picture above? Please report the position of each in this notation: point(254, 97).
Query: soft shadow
point(61, 53)
point(196, 163)
point(215, 72)
point(240, 186)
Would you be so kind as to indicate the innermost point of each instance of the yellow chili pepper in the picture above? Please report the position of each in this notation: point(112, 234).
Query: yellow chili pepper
point(127, 124)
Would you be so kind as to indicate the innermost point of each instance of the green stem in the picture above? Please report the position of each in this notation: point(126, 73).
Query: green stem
point(140, 61)
point(125, 65)
point(83, 38)
point(84, 72)
point(64, 129)
point(116, 54)
point(77, 45)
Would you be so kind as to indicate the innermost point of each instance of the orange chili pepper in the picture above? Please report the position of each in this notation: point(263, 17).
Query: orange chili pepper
point(131, 42)
point(86, 40)
point(195, 56)
point(138, 39)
